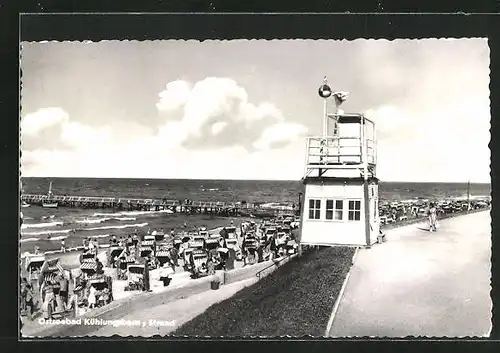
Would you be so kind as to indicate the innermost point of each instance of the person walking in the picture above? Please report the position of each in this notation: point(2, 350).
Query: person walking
point(432, 217)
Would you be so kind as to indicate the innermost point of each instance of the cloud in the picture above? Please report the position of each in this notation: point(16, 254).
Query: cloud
point(278, 135)
point(42, 119)
point(216, 113)
point(51, 129)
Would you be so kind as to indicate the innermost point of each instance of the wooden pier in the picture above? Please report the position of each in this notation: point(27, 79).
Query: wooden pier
point(175, 206)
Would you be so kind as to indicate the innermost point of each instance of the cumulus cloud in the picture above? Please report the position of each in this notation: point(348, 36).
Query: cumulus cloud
point(43, 128)
point(216, 112)
point(278, 135)
point(51, 128)
point(42, 119)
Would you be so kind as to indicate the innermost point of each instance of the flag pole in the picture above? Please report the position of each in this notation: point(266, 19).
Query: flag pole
point(325, 118)
point(468, 195)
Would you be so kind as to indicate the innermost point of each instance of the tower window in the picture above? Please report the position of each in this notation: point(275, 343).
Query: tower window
point(314, 209)
point(354, 210)
point(334, 209)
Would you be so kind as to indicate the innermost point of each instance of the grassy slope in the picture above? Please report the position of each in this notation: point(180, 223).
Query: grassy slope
point(297, 300)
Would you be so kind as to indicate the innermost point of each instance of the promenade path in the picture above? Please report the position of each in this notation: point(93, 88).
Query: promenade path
point(420, 283)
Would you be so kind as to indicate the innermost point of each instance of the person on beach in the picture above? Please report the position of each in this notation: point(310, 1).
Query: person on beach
point(91, 299)
point(113, 239)
point(260, 254)
point(146, 284)
point(174, 255)
point(129, 241)
point(24, 284)
point(432, 217)
point(231, 256)
point(29, 305)
point(63, 291)
point(272, 248)
point(91, 246)
point(48, 299)
point(37, 249)
point(135, 240)
point(99, 266)
point(63, 246)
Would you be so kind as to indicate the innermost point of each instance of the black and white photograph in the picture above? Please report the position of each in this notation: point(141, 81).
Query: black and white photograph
point(255, 188)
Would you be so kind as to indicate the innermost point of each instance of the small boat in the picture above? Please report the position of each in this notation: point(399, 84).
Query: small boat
point(25, 204)
point(49, 203)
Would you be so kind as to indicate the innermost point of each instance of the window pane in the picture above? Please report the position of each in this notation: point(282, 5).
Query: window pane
point(351, 215)
point(339, 204)
point(311, 214)
point(318, 203)
point(329, 214)
point(317, 214)
point(351, 205)
point(357, 215)
point(358, 205)
point(311, 203)
point(338, 215)
point(329, 204)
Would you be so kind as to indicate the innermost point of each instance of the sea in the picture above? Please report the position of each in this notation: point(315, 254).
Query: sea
point(46, 228)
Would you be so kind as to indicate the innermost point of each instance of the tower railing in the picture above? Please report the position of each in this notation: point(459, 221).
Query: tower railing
point(340, 152)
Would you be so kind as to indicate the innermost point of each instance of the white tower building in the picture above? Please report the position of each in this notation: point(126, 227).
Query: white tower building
point(340, 195)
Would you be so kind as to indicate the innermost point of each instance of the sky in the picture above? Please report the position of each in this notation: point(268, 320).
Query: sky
point(242, 109)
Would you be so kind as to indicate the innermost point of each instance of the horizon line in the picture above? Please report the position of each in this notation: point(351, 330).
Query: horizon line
point(223, 179)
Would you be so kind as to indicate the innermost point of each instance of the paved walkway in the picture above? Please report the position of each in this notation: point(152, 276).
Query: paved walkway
point(420, 283)
point(165, 318)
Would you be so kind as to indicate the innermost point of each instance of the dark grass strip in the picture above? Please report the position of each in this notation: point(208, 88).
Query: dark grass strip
point(296, 300)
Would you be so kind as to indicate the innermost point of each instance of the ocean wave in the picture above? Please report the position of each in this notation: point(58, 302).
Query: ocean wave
point(92, 221)
point(41, 225)
point(130, 213)
point(138, 225)
point(100, 236)
point(105, 219)
point(47, 232)
point(27, 240)
point(49, 217)
point(140, 213)
point(61, 237)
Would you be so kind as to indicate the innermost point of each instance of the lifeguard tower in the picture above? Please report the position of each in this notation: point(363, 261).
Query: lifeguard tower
point(340, 196)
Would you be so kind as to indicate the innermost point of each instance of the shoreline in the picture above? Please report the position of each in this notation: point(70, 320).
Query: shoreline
point(135, 298)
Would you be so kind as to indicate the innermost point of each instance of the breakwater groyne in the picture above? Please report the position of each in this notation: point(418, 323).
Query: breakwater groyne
point(174, 206)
